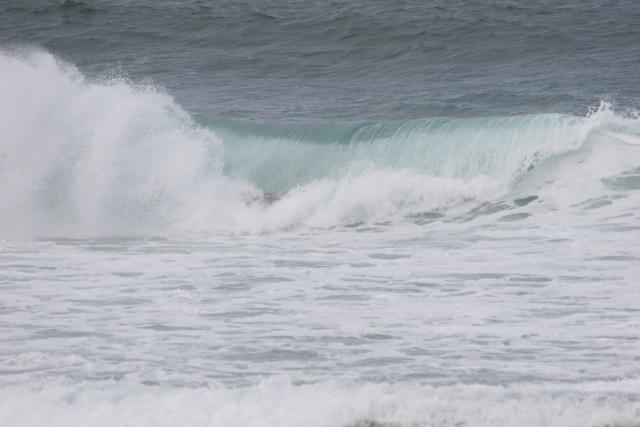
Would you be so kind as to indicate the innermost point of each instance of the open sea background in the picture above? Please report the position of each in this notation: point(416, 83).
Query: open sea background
point(320, 213)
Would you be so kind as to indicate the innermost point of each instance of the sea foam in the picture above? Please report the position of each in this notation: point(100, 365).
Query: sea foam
point(321, 405)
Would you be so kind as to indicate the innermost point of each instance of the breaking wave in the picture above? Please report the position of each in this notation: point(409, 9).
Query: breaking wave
point(104, 157)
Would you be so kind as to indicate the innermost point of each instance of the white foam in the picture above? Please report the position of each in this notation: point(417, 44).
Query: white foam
point(321, 405)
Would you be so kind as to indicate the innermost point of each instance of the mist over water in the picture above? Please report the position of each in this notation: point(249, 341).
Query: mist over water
point(322, 214)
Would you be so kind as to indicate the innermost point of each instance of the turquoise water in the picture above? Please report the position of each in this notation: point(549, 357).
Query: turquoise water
point(319, 213)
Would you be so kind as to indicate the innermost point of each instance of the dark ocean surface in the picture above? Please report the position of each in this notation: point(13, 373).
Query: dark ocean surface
point(353, 60)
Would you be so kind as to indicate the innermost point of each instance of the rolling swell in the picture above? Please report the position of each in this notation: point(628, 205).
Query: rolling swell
point(110, 157)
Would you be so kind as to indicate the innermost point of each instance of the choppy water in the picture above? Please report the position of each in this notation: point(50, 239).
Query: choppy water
point(320, 214)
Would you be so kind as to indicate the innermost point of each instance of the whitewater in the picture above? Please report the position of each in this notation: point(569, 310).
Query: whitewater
point(162, 269)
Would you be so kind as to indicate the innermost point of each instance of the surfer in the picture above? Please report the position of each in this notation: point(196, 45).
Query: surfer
point(269, 198)
point(266, 199)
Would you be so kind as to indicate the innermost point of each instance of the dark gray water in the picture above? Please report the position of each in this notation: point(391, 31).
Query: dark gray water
point(355, 60)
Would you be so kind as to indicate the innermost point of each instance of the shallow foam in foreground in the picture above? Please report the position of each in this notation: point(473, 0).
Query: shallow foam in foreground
point(323, 405)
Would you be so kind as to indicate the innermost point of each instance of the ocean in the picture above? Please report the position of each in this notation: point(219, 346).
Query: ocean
point(320, 213)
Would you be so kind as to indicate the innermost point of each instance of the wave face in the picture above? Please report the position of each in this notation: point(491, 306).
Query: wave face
point(83, 157)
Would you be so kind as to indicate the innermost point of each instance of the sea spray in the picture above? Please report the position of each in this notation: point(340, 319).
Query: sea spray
point(95, 157)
